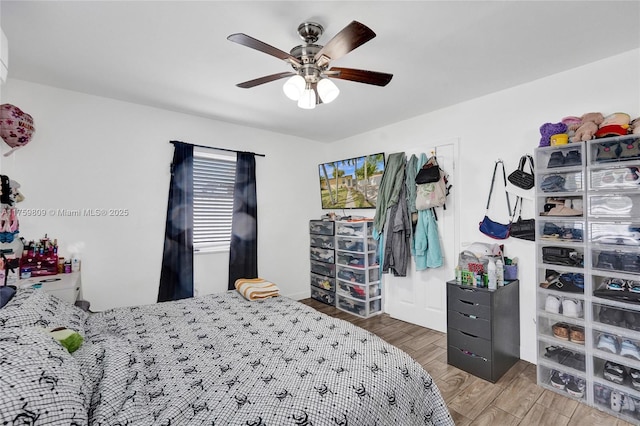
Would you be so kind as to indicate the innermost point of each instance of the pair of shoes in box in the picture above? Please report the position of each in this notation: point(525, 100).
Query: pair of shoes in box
point(566, 282)
point(561, 305)
point(559, 159)
point(618, 261)
point(574, 386)
point(618, 374)
point(627, 176)
point(625, 348)
point(562, 256)
point(618, 401)
point(619, 318)
point(619, 150)
point(562, 207)
point(565, 357)
point(568, 332)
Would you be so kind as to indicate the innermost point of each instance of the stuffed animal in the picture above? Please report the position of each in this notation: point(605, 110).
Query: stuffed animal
point(615, 124)
point(71, 340)
point(634, 127)
point(589, 124)
point(549, 129)
point(619, 118)
point(572, 122)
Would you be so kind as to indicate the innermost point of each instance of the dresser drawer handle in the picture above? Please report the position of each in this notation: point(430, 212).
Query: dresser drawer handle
point(468, 315)
point(468, 303)
point(473, 355)
point(467, 289)
point(468, 334)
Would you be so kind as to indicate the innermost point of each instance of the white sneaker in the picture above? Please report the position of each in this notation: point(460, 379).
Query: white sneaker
point(572, 308)
point(552, 304)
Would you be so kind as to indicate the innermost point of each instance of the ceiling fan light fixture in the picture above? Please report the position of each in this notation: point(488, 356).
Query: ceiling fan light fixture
point(327, 90)
point(293, 87)
point(307, 98)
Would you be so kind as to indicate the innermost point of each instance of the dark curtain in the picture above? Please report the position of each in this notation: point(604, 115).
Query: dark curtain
point(243, 255)
point(176, 277)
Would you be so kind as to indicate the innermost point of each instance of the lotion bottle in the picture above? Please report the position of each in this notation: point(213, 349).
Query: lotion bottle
point(500, 273)
point(491, 272)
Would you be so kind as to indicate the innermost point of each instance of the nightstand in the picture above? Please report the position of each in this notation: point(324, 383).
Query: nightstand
point(483, 329)
point(63, 286)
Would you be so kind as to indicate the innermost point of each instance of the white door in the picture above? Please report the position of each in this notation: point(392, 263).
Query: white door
point(420, 297)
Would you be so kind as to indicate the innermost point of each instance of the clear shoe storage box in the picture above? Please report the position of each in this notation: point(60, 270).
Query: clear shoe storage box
point(590, 208)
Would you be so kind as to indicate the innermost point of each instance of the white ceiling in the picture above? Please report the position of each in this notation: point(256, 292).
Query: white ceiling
point(175, 54)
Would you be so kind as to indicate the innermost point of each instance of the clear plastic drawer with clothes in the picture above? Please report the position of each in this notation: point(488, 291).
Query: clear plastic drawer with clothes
point(560, 182)
point(357, 291)
point(323, 282)
point(322, 241)
point(355, 229)
point(356, 260)
point(322, 255)
point(327, 269)
point(321, 227)
point(323, 296)
point(358, 307)
point(354, 275)
point(356, 244)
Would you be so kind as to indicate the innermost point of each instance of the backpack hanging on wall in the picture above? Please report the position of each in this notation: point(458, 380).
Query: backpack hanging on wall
point(432, 194)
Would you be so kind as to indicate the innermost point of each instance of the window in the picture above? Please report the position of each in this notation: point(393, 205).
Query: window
point(213, 185)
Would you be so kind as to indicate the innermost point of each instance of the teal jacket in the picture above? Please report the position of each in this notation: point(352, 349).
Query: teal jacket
point(425, 244)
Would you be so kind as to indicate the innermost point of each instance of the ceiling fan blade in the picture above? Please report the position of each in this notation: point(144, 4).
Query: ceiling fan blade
point(353, 35)
point(253, 43)
point(360, 76)
point(266, 79)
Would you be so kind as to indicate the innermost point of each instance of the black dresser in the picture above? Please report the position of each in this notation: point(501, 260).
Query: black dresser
point(483, 329)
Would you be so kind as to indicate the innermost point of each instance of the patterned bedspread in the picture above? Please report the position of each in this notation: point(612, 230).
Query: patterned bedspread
point(222, 360)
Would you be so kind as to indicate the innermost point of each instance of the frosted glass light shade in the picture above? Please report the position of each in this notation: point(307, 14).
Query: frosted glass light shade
point(307, 98)
point(327, 90)
point(293, 87)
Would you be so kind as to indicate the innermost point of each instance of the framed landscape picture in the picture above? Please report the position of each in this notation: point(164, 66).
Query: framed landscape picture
point(352, 183)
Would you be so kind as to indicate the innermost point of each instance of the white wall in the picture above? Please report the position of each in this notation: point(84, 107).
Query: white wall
point(95, 153)
point(91, 152)
point(506, 125)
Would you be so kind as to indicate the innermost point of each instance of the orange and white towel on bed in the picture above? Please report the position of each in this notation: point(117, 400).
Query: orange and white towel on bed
point(256, 288)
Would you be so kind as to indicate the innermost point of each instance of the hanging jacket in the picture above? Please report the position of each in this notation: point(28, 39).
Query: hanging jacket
point(389, 190)
point(425, 244)
point(397, 248)
point(410, 182)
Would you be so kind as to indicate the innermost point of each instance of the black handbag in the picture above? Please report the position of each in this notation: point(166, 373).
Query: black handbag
point(524, 229)
point(429, 173)
point(491, 228)
point(519, 177)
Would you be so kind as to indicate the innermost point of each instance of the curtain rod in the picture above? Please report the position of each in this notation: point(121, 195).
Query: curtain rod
point(219, 149)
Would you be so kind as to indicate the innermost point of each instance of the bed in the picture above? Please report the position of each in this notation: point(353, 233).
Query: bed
point(212, 360)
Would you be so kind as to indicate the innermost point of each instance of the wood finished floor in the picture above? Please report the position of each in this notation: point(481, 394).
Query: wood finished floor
point(514, 400)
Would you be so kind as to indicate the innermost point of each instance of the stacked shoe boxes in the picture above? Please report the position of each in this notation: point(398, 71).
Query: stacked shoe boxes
point(588, 270)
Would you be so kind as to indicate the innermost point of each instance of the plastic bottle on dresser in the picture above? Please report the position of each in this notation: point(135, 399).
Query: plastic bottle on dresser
point(491, 272)
point(499, 273)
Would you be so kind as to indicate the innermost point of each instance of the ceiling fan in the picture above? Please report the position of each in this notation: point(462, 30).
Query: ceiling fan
point(309, 83)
